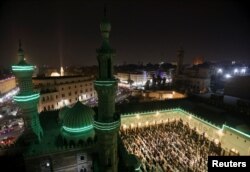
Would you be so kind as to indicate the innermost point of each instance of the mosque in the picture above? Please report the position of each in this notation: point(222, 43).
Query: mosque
point(81, 139)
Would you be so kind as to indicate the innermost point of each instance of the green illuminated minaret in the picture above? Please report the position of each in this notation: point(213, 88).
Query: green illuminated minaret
point(27, 99)
point(107, 122)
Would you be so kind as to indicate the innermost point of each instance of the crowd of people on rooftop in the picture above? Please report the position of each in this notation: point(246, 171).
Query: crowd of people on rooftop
point(171, 146)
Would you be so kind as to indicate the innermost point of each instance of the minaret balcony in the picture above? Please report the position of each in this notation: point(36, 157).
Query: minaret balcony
point(27, 101)
point(107, 126)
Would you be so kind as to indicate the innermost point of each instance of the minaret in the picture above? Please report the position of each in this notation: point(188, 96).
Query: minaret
point(180, 55)
point(61, 71)
point(27, 99)
point(107, 122)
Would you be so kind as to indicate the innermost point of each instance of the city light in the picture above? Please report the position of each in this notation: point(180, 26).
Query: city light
point(227, 76)
point(236, 71)
point(219, 70)
point(243, 71)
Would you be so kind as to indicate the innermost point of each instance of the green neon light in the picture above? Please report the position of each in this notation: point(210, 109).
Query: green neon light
point(107, 126)
point(107, 123)
point(78, 130)
point(187, 114)
point(26, 98)
point(22, 68)
point(197, 118)
point(240, 132)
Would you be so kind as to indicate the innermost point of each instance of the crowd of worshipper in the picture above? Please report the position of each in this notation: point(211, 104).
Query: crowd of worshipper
point(171, 146)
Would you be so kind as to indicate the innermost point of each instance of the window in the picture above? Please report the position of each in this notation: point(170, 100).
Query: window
point(69, 87)
point(63, 95)
point(69, 93)
point(75, 92)
point(82, 158)
point(62, 88)
point(86, 90)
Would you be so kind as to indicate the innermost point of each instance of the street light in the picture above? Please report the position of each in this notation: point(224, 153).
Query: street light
point(220, 71)
point(236, 71)
point(227, 76)
point(243, 70)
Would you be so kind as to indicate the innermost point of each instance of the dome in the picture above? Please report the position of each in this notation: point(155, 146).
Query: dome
point(78, 116)
point(54, 74)
point(77, 123)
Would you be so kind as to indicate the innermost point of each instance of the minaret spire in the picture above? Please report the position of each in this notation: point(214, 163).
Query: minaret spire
point(20, 51)
point(105, 10)
point(20, 44)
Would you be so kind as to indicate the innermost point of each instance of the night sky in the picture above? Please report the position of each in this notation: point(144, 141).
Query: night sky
point(141, 31)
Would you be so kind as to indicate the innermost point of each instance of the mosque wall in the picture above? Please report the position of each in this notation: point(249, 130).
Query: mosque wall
point(232, 140)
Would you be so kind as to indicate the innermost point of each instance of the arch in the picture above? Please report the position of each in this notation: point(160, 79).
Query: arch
point(89, 140)
point(72, 143)
point(65, 142)
point(80, 142)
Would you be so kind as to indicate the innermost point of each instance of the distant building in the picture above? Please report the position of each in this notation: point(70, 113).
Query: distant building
point(7, 84)
point(238, 86)
point(139, 79)
point(134, 78)
point(56, 92)
point(157, 95)
point(195, 79)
